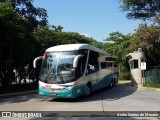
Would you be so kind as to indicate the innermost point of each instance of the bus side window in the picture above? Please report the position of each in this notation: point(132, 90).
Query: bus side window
point(115, 64)
point(93, 64)
point(109, 64)
point(103, 65)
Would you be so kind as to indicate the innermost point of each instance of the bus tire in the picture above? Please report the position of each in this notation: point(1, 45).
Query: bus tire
point(116, 80)
point(111, 84)
point(88, 89)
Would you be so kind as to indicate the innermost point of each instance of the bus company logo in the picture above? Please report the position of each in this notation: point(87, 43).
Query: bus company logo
point(6, 114)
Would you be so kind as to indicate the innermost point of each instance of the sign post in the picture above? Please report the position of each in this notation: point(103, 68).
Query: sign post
point(143, 67)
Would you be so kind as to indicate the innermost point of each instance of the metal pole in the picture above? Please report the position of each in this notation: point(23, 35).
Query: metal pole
point(143, 78)
point(155, 76)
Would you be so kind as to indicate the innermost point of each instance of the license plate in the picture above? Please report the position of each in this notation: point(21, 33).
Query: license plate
point(53, 94)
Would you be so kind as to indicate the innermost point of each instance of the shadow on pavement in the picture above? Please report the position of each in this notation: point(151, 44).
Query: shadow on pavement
point(110, 94)
point(18, 98)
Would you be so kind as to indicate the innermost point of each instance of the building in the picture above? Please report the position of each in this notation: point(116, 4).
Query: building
point(135, 61)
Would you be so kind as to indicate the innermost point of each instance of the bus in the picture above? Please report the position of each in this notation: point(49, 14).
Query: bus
point(73, 70)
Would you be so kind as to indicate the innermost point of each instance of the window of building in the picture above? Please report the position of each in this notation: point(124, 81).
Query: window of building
point(134, 64)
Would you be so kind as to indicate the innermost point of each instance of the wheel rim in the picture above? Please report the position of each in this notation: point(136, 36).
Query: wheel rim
point(88, 91)
point(111, 84)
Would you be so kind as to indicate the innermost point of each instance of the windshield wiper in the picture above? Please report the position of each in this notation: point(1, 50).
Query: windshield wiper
point(59, 73)
point(45, 80)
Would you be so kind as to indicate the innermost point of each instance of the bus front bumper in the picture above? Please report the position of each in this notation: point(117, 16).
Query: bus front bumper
point(57, 94)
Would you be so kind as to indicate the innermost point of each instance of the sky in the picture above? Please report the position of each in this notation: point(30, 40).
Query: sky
point(92, 18)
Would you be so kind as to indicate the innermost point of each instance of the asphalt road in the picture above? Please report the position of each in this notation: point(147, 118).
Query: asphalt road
point(119, 98)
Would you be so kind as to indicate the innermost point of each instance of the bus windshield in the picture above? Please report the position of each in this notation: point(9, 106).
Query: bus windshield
point(57, 67)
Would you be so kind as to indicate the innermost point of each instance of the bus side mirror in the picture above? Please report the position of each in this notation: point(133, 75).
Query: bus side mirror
point(75, 61)
point(35, 61)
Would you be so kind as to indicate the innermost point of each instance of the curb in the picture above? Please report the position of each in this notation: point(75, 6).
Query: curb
point(139, 86)
point(149, 88)
point(18, 93)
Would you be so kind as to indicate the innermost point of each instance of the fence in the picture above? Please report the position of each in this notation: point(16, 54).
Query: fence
point(152, 77)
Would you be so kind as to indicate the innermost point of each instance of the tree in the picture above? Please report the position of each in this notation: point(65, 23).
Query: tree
point(16, 48)
point(97, 44)
point(34, 16)
point(148, 38)
point(116, 44)
point(140, 9)
point(57, 28)
point(47, 37)
point(18, 18)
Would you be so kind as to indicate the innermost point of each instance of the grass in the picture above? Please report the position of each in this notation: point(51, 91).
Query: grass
point(152, 84)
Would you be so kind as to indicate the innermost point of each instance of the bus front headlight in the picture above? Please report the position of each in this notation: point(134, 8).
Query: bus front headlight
point(69, 87)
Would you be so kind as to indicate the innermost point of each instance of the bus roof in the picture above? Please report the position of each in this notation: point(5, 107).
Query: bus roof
point(71, 47)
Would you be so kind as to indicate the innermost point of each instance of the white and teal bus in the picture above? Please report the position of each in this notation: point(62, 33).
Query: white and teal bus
point(73, 70)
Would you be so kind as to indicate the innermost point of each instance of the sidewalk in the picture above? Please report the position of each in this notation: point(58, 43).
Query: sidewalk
point(128, 83)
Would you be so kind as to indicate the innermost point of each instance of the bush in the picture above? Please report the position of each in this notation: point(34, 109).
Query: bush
point(152, 84)
point(125, 76)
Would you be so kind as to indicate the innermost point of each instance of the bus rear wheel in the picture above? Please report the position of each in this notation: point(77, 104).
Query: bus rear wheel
point(111, 84)
point(88, 90)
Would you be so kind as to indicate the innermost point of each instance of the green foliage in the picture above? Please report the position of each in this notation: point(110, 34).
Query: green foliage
point(126, 75)
point(16, 48)
point(140, 9)
point(97, 44)
point(116, 44)
point(51, 37)
point(145, 37)
point(124, 70)
point(152, 84)
point(34, 16)
point(148, 38)
point(57, 28)
point(15, 37)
